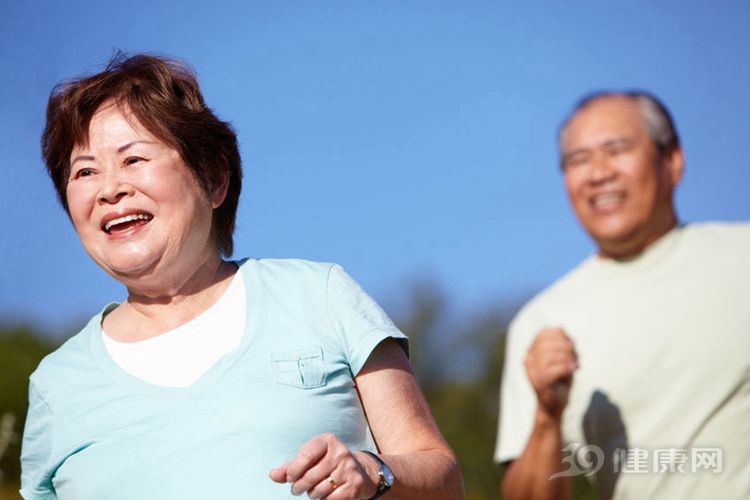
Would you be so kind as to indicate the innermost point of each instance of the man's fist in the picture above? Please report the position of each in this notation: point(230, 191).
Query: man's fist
point(550, 364)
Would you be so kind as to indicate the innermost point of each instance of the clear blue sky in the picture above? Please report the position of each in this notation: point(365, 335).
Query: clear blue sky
point(402, 139)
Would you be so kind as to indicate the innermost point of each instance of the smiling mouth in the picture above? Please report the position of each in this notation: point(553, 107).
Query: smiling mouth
point(126, 222)
point(608, 200)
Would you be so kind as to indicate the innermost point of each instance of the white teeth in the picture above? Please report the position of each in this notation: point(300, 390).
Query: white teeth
point(127, 218)
point(607, 199)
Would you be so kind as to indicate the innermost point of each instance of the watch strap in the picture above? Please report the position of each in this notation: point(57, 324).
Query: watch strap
point(384, 472)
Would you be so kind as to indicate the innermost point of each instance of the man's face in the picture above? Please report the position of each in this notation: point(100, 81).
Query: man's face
point(618, 183)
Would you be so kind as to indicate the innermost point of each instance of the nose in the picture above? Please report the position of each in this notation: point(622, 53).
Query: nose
point(113, 188)
point(601, 169)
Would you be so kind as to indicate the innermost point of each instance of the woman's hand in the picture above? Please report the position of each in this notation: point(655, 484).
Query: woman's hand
point(406, 435)
point(325, 468)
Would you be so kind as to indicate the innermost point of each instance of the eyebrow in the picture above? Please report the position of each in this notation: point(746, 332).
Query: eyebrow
point(128, 145)
point(121, 149)
point(618, 140)
point(81, 157)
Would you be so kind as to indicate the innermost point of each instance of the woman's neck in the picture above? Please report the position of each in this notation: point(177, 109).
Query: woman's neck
point(154, 310)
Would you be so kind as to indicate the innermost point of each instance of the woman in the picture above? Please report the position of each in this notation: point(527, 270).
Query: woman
point(212, 373)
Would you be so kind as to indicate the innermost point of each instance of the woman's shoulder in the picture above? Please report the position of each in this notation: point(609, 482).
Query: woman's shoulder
point(288, 265)
point(286, 272)
point(73, 357)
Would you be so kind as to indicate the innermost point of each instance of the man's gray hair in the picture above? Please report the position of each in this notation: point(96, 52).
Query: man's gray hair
point(656, 117)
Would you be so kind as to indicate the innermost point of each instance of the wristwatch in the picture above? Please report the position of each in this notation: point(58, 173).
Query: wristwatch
point(386, 476)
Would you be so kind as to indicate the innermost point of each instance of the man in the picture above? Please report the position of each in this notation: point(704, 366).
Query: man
point(634, 368)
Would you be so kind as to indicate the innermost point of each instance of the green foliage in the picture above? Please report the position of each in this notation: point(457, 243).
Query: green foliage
point(466, 411)
point(20, 353)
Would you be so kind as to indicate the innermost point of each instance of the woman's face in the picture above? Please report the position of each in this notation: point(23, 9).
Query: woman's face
point(136, 206)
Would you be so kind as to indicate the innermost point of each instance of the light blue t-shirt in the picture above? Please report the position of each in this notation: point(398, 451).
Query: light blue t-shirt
point(93, 431)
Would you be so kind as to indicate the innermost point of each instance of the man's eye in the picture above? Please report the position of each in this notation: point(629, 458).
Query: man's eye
point(575, 160)
point(618, 148)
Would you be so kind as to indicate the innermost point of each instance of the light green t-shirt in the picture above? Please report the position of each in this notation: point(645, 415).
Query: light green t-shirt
point(93, 431)
point(663, 342)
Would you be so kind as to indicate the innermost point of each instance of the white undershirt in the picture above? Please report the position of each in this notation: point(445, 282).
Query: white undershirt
point(179, 357)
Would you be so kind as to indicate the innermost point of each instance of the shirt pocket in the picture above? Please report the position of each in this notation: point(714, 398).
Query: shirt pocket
point(301, 368)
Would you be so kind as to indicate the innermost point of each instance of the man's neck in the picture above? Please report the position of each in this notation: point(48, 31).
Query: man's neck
point(636, 246)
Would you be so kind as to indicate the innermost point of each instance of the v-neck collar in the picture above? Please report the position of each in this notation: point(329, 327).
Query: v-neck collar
point(253, 320)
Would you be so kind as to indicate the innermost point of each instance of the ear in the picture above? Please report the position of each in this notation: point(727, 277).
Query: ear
point(219, 193)
point(674, 162)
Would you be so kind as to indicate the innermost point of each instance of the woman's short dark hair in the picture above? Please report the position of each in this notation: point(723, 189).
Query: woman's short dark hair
point(164, 96)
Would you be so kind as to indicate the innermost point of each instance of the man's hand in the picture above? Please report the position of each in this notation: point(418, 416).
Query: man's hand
point(550, 364)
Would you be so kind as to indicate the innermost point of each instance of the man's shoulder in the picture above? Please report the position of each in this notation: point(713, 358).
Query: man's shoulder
point(570, 284)
point(568, 288)
point(719, 232)
point(722, 240)
point(722, 244)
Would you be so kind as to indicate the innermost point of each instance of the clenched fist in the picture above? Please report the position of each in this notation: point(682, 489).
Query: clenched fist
point(550, 364)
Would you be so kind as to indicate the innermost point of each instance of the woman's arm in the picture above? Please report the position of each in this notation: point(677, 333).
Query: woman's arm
point(405, 431)
point(407, 436)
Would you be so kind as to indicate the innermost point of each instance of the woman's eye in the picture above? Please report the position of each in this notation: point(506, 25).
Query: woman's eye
point(84, 172)
point(130, 160)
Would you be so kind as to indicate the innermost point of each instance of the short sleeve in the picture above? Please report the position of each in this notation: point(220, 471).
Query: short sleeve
point(517, 397)
point(360, 321)
point(36, 476)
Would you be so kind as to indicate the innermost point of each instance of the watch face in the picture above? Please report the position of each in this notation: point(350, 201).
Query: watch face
point(387, 476)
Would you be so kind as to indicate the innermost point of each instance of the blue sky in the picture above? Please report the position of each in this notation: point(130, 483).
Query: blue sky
point(406, 140)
